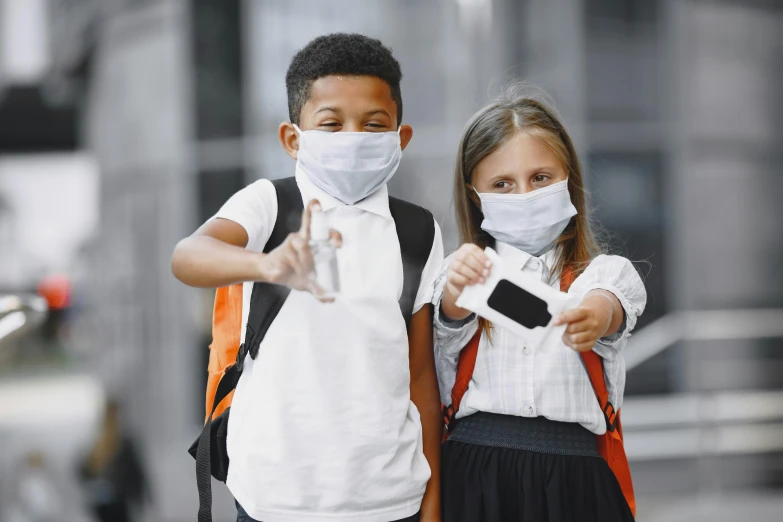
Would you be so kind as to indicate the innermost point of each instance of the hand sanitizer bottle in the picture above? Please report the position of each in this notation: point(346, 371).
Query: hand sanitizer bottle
point(324, 253)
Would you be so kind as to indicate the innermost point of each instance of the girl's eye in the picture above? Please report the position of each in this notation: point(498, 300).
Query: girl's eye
point(540, 178)
point(502, 185)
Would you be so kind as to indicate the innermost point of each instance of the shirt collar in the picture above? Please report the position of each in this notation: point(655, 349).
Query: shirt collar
point(377, 202)
point(519, 259)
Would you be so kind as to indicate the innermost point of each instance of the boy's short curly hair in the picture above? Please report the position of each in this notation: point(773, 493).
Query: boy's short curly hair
point(335, 54)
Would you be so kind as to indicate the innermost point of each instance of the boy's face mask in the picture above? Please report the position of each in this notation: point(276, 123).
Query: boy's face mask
point(349, 166)
point(531, 222)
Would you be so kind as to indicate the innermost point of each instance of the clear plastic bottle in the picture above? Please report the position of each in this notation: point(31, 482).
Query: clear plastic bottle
point(324, 255)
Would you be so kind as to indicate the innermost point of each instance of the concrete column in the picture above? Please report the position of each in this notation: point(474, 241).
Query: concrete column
point(137, 125)
point(724, 127)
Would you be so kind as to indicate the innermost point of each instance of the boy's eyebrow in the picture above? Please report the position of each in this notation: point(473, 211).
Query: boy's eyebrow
point(379, 111)
point(325, 109)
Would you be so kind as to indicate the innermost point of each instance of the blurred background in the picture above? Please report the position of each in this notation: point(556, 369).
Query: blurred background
point(124, 124)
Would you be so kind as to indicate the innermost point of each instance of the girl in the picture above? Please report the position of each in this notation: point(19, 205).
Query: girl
point(524, 447)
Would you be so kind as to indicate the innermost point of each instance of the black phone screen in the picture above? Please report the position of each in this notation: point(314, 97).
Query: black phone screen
point(519, 305)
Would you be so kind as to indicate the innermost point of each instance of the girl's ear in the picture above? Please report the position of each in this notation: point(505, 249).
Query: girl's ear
point(473, 196)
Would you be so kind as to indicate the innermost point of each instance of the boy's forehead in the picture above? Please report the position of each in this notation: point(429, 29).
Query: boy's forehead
point(348, 92)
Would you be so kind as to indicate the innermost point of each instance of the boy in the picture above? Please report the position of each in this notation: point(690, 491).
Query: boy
point(338, 416)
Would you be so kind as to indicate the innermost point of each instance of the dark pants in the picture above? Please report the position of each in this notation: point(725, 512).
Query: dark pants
point(244, 517)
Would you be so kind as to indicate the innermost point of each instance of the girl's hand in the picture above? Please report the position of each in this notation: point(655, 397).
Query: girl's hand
point(469, 266)
point(590, 321)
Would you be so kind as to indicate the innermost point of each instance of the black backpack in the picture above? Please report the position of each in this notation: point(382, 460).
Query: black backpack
point(415, 231)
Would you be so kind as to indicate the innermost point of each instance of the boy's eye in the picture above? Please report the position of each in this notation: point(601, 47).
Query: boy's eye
point(330, 124)
point(376, 126)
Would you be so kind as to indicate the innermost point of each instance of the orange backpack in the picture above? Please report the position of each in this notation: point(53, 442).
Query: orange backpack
point(415, 228)
point(610, 444)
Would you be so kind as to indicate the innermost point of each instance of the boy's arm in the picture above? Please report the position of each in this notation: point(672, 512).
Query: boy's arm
point(424, 394)
point(215, 256)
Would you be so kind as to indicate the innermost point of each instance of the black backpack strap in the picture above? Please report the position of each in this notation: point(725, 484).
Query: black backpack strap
point(265, 302)
point(202, 449)
point(267, 298)
point(416, 232)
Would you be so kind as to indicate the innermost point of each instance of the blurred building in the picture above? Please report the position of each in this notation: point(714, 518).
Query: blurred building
point(673, 104)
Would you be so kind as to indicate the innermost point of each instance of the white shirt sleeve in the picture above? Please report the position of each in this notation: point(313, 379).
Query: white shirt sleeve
point(617, 275)
point(430, 272)
point(255, 209)
point(450, 337)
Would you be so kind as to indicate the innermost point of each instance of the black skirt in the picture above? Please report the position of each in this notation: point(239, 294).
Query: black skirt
point(510, 469)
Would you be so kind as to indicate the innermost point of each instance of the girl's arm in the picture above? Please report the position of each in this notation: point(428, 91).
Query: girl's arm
point(424, 394)
point(454, 326)
point(614, 297)
point(598, 315)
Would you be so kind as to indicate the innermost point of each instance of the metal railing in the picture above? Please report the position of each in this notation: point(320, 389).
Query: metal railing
point(19, 314)
point(702, 424)
point(702, 325)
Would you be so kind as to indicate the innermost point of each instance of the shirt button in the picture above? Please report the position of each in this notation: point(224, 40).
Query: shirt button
point(527, 411)
point(527, 350)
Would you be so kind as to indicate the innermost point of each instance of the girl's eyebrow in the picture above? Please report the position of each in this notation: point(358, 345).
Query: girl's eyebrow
point(547, 168)
point(501, 175)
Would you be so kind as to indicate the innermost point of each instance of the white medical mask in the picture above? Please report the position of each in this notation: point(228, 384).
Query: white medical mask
point(530, 222)
point(349, 166)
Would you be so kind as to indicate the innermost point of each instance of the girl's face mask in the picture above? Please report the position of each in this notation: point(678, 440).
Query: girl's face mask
point(349, 166)
point(531, 222)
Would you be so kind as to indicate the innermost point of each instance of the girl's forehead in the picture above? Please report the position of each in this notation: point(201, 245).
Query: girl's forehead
point(520, 153)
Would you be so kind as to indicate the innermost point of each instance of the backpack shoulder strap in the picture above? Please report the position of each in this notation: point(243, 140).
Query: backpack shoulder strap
point(265, 302)
point(610, 444)
point(267, 299)
point(594, 366)
point(416, 232)
point(466, 364)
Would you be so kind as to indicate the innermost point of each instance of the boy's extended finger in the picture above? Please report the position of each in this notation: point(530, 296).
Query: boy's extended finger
point(304, 229)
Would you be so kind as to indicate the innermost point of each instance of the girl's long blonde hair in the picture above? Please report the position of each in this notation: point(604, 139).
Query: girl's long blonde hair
point(486, 131)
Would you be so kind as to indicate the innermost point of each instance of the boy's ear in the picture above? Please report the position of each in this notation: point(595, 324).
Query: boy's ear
point(406, 133)
point(289, 138)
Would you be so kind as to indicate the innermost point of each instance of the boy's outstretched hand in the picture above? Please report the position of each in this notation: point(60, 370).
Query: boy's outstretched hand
point(291, 264)
point(598, 315)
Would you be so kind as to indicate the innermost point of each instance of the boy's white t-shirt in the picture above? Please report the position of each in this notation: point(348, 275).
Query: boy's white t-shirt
point(322, 427)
